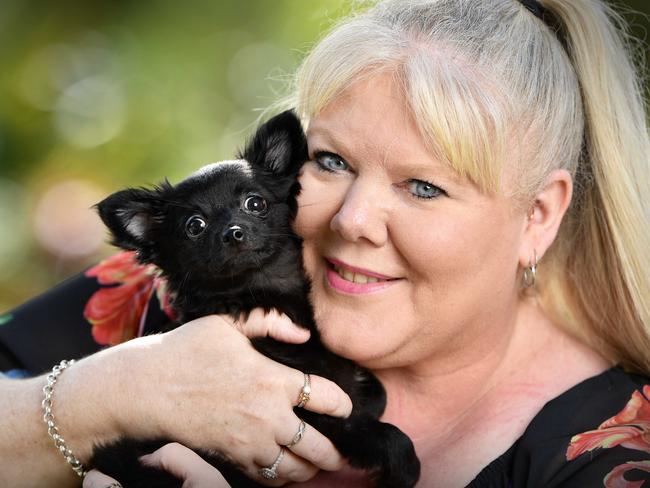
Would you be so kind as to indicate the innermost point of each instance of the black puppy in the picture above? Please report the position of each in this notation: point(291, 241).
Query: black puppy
point(223, 240)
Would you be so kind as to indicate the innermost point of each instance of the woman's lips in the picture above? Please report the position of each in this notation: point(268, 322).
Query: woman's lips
point(350, 279)
point(346, 267)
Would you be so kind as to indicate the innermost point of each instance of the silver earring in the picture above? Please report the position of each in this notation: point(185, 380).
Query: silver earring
point(530, 272)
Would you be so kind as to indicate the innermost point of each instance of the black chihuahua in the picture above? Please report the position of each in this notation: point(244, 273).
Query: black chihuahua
point(223, 240)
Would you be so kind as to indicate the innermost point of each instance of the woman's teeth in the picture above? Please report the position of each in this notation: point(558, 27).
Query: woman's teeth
point(355, 277)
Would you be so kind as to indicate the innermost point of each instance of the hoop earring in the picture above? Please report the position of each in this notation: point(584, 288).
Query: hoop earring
point(531, 213)
point(530, 272)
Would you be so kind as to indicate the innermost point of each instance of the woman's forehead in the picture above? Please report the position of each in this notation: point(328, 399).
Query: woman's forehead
point(373, 108)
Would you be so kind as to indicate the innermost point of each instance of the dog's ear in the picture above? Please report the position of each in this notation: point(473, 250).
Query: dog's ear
point(131, 216)
point(278, 146)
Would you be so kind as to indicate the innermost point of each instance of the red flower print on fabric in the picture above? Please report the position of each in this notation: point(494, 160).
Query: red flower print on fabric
point(118, 311)
point(629, 428)
point(615, 479)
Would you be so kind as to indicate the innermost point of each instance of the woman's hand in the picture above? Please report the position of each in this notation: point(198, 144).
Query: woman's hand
point(177, 460)
point(205, 386)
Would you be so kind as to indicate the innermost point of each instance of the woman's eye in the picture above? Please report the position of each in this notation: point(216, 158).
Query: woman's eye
point(330, 162)
point(195, 226)
point(255, 204)
point(424, 189)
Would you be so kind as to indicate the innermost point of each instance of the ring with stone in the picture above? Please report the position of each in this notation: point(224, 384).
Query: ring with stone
point(303, 396)
point(271, 472)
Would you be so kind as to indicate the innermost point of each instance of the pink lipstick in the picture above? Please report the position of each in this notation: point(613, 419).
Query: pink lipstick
point(353, 280)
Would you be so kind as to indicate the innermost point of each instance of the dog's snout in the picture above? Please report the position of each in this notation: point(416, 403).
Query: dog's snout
point(233, 233)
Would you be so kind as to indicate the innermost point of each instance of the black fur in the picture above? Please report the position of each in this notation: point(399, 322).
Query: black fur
point(226, 271)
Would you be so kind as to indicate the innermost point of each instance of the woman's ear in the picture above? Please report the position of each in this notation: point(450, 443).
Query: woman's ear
point(544, 216)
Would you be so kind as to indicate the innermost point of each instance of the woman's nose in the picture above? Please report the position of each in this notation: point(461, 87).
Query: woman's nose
point(362, 215)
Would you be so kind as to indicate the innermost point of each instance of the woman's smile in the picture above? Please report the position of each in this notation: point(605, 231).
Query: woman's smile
point(351, 279)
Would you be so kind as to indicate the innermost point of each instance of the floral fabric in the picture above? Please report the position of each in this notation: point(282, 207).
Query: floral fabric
point(112, 302)
point(118, 313)
point(630, 428)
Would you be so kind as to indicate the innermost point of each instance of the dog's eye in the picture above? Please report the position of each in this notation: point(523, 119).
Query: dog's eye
point(255, 204)
point(195, 226)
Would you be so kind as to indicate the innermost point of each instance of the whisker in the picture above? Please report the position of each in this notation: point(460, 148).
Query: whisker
point(294, 236)
point(321, 202)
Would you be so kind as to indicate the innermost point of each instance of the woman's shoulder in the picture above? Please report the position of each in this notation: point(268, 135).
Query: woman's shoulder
point(596, 433)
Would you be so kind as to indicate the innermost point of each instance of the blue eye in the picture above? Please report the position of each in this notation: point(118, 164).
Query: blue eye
point(327, 161)
point(424, 189)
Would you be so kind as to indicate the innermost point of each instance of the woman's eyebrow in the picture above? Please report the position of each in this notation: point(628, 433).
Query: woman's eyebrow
point(439, 172)
point(320, 135)
point(324, 133)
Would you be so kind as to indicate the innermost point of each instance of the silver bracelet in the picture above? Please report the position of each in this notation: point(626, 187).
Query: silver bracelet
point(48, 418)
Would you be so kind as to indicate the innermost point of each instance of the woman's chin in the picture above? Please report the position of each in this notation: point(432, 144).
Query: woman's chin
point(351, 348)
point(359, 335)
point(364, 352)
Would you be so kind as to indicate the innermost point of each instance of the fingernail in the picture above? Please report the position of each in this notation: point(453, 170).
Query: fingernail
point(146, 459)
point(300, 330)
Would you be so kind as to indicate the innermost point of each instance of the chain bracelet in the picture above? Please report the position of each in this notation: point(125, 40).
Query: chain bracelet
point(48, 418)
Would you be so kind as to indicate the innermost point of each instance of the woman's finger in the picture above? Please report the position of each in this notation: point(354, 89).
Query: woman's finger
point(291, 468)
point(324, 396)
point(95, 479)
point(279, 326)
point(312, 446)
point(185, 464)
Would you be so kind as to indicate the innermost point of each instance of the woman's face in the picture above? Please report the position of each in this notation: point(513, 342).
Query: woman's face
point(407, 260)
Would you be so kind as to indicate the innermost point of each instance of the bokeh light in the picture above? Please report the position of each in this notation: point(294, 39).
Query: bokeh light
point(65, 223)
point(90, 112)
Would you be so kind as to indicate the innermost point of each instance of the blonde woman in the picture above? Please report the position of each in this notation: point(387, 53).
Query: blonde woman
point(485, 162)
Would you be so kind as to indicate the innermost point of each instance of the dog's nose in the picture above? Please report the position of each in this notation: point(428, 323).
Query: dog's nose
point(233, 233)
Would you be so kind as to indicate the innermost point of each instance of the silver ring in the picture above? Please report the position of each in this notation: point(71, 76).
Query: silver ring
point(303, 397)
point(271, 473)
point(299, 434)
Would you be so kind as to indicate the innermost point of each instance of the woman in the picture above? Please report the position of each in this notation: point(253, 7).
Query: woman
point(476, 233)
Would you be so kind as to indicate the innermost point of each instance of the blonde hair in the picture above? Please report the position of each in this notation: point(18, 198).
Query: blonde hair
point(478, 75)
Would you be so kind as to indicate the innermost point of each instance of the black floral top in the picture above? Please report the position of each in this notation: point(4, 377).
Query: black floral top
point(597, 434)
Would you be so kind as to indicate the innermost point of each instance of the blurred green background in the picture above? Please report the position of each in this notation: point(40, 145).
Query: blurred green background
point(96, 95)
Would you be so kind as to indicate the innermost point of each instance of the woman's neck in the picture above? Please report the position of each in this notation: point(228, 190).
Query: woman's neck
point(463, 412)
point(424, 402)
point(435, 398)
